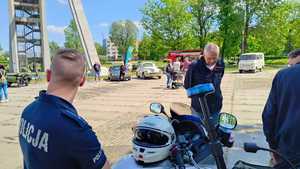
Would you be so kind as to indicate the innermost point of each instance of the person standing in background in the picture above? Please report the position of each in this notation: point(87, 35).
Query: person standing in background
point(208, 69)
point(3, 85)
point(186, 65)
point(97, 69)
point(169, 71)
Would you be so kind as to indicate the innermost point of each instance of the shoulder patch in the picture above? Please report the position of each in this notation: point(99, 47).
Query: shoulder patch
point(75, 118)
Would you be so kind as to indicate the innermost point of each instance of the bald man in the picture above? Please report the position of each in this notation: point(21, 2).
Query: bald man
point(52, 135)
point(208, 69)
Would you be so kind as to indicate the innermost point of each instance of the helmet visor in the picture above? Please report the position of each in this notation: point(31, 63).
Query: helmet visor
point(150, 137)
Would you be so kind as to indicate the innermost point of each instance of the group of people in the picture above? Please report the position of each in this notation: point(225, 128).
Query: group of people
point(173, 69)
point(66, 140)
point(3, 85)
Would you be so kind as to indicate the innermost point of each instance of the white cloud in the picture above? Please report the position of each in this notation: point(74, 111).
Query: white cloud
point(63, 2)
point(103, 24)
point(56, 29)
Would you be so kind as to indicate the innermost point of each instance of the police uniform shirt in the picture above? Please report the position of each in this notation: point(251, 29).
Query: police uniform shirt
point(53, 136)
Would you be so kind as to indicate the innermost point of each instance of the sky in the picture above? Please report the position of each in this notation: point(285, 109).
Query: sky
point(100, 15)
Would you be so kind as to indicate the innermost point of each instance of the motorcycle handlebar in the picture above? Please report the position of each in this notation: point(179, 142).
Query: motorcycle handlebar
point(253, 148)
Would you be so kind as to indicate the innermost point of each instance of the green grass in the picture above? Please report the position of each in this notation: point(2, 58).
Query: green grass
point(272, 63)
point(234, 68)
point(281, 61)
point(231, 68)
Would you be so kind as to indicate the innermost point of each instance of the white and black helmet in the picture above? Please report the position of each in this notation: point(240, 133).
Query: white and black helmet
point(154, 137)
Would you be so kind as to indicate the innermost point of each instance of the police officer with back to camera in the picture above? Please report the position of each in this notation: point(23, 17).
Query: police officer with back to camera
point(52, 134)
point(208, 69)
point(281, 114)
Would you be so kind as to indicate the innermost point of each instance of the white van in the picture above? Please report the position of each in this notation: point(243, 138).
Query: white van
point(251, 62)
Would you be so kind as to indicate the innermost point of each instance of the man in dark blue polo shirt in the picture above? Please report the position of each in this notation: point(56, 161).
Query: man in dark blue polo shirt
point(281, 115)
point(52, 135)
point(208, 69)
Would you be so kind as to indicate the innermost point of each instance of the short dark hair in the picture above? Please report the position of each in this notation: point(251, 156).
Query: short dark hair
point(295, 53)
point(68, 66)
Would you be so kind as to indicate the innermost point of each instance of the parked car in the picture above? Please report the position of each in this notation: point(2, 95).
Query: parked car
point(21, 79)
point(251, 62)
point(114, 73)
point(148, 70)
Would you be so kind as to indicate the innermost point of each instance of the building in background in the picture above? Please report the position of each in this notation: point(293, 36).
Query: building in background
point(112, 52)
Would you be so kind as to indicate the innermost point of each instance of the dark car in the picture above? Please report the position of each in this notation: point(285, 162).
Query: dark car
point(114, 73)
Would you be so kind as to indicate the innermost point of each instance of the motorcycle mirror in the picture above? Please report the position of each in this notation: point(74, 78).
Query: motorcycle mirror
point(156, 108)
point(227, 121)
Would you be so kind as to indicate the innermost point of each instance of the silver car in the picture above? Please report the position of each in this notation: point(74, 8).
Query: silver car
point(148, 70)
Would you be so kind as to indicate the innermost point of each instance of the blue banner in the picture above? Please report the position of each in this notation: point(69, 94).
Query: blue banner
point(128, 55)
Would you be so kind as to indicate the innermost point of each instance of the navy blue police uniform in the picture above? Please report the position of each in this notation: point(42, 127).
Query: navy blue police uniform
point(281, 114)
point(53, 136)
point(198, 73)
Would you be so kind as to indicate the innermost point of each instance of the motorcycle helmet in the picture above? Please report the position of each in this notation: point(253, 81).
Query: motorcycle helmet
point(153, 139)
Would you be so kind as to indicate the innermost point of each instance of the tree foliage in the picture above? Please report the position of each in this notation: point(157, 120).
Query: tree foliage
point(204, 13)
point(151, 48)
point(72, 37)
point(4, 57)
point(123, 34)
point(101, 51)
point(168, 22)
point(53, 46)
point(278, 31)
point(238, 26)
point(230, 23)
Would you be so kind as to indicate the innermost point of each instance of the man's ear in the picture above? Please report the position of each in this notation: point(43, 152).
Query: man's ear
point(297, 60)
point(48, 75)
point(82, 81)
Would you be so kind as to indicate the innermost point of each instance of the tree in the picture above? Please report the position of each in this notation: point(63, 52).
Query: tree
point(278, 31)
point(253, 11)
point(123, 34)
point(293, 25)
point(53, 48)
point(145, 47)
point(204, 13)
point(269, 26)
point(101, 51)
point(230, 22)
point(72, 38)
point(169, 23)
point(4, 57)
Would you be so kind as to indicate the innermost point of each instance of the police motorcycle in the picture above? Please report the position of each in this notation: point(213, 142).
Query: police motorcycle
point(180, 141)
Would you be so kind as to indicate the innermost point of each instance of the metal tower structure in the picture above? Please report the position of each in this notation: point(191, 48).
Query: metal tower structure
point(29, 46)
point(28, 35)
